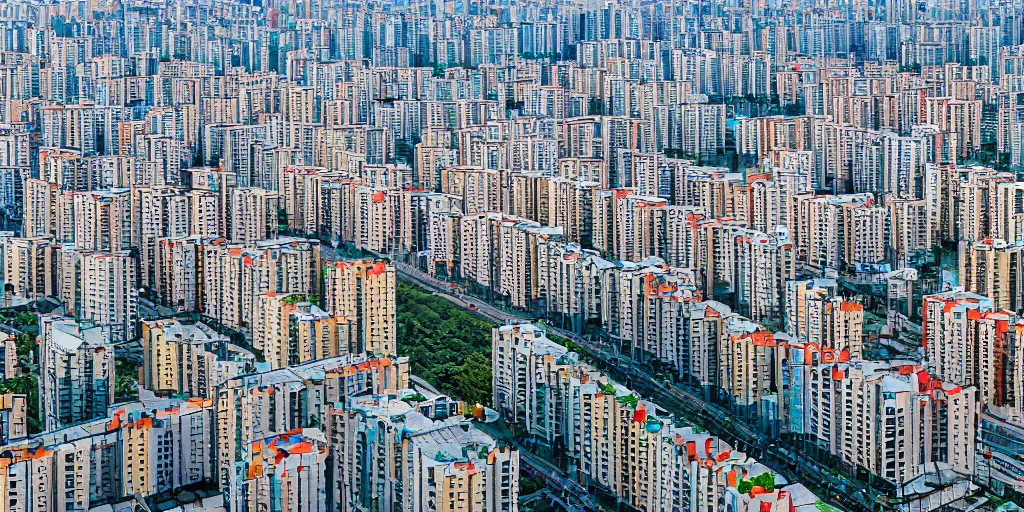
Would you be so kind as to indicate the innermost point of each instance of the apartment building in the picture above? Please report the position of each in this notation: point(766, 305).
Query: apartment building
point(76, 376)
point(485, 479)
point(291, 330)
point(911, 231)
point(102, 220)
point(262, 405)
point(163, 213)
point(480, 189)
point(361, 294)
point(106, 293)
point(415, 454)
point(30, 266)
point(253, 215)
point(816, 315)
point(177, 270)
point(831, 231)
point(234, 276)
point(191, 360)
point(286, 472)
point(992, 267)
point(764, 264)
point(613, 439)
point(9, 367)
point(967, 340)
point(376, 219)
point(40, 211)
point(140, 449)
point(746, 352)
point(892, 418)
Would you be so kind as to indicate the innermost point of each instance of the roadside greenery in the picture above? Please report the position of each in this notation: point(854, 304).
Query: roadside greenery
point(447, 347)
point(765, 481)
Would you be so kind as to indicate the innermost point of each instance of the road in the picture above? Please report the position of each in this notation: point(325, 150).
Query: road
point(444, 289)
point(848, 493)
point(546, 494)
point(548, 471)
point(424, 384)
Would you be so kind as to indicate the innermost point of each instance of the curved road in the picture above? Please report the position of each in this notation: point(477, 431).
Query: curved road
point(424, 384)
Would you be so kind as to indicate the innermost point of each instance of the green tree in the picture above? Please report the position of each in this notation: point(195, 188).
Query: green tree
point(472, 380)
point(529, 485)
point(28, 385)
point(765, 480)
point(447, 346)
point(744, 486)
point(26, 319)
point(126, 381)
point(25, 344)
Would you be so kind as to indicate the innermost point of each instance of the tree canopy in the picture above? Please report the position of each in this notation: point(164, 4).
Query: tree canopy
point(447, 346)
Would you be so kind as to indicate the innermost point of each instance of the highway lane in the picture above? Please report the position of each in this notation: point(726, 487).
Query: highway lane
point(545, 469)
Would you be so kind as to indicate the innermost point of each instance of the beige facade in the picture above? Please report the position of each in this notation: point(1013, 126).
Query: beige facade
point(570, 207)
point(107, 293)
point(746, 353)
point(375, 219)
point(141, 449)
point(290, 330)
point(911, 232)
point(418, 456)
point(839, 231)
point(102, 220)
point(815, 315)
point(480, 189)
point(993, 268)
point(29, 266)
point(234, 276)
point(885, 416)
point(177, 267)
point(248, 409)
point(969, 341)
point(253, 215)
point(162, 212)
point(614, 439)
point(188, 360)
point(361, 294)
point(764, 264)
point(40, 208)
